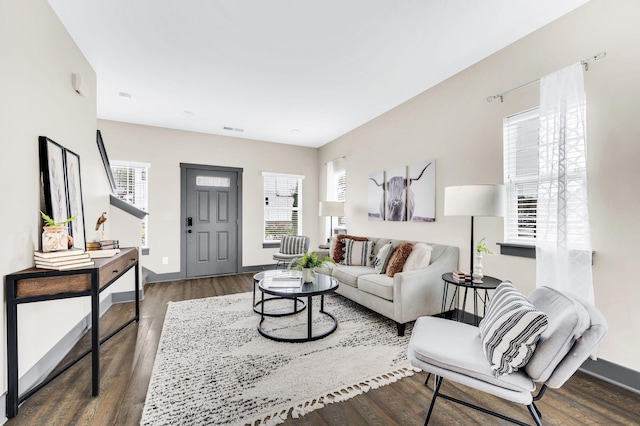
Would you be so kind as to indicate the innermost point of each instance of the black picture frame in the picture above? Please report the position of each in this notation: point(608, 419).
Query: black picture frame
point(105, 161)
point(74, 196)
point(54, 180)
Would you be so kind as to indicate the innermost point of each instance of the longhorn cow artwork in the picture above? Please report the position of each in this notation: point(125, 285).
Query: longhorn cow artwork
point(376, 196)
point(396, 197)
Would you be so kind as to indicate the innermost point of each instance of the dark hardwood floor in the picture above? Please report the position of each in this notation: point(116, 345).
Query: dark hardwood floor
point(127, 360)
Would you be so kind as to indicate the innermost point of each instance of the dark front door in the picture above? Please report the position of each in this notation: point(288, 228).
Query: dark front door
point(211, 221)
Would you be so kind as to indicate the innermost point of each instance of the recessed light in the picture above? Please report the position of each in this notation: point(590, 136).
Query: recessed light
point(188, 113)
point(295, 131)
point(124, 95)
point(232, 129)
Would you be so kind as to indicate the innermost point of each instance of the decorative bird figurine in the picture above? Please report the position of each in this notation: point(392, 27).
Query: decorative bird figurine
point(102, 219)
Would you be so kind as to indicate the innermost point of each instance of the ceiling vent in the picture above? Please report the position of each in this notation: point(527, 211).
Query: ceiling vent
point(233, 129)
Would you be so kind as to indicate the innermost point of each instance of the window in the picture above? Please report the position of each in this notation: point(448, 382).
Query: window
point(282, 206)
point(132, 186)
point(521, 176)
point(337, 186)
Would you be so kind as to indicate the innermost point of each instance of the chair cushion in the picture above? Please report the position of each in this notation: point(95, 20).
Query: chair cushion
point(356, 253)
point(377, 284)
point(382, 258)
point(568, 320)
point(418, 258)
point(456, 346)
point(292, 245)
point(398, 258)
point(510, 329)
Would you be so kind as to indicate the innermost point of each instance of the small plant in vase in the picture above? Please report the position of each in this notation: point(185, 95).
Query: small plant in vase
point(307, 263)
point(481, 249)
point(55, 236)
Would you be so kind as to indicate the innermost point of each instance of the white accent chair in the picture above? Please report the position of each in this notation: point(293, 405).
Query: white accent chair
point(453, 351)
point(292, 247)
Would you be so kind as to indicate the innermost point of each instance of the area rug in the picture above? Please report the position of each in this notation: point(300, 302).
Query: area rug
point(213, 367)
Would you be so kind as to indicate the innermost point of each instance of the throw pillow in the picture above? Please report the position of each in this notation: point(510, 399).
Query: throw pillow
point(398, 258)
point(292, 245)
point(338, 248)
point(356, 253)
point(382, 258)
point(419, 257)
point(510, 330)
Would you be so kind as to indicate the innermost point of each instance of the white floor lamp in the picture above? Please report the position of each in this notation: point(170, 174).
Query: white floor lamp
point(474, 200)
point(331, 209)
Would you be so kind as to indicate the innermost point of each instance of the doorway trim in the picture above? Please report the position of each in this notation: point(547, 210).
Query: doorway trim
point(183, 211)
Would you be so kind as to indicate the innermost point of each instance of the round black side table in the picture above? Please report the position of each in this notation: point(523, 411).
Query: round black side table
point(488, 283)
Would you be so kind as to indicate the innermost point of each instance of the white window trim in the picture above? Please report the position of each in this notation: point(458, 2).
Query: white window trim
point(147, 166)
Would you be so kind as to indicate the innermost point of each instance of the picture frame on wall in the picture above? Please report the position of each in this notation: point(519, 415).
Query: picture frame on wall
point(105, 161)
point(422, 191)
point(375, 209)
point(396, 194)
point(74, 193)
point(52, 168)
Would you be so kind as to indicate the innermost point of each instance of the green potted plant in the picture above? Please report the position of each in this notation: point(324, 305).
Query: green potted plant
point(307, 263)
point(54, 235)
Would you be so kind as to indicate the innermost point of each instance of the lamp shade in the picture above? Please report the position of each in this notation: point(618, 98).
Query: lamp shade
point(331, 208)
point(474, 200)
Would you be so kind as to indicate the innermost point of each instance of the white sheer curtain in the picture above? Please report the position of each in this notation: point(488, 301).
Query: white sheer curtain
point(563, 238)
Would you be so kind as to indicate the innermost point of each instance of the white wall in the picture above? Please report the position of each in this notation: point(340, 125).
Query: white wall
point(165, 149)
point(454, 124)
point(38, 58)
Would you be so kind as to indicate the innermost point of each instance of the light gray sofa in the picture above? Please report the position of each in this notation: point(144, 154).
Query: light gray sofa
point(406, 296)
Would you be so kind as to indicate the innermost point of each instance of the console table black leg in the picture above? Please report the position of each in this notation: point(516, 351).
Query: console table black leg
point(12, 350)
point(95, 337)
point(137, 296)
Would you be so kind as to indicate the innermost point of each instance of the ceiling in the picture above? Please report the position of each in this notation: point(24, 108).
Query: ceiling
point(299, 72)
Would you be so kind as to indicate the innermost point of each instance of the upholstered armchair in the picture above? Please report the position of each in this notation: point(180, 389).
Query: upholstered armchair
point(471, 356)
point(291, 247)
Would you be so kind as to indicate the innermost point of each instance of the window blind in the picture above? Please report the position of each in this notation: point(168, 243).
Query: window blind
point(520, 141)
point(282, 205)
point(132, 186)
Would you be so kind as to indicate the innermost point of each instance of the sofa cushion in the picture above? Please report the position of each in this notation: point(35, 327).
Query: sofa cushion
point(398, 258)
point(568, 320)
point(431, 343)
point(356, 253)
point(338, 249)
point(510, 329)
point(349, 274)
point(377, 284)
point(418, 258)
point(382, 258)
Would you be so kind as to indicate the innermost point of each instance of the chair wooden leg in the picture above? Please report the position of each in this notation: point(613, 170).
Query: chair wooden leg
point(436, 390)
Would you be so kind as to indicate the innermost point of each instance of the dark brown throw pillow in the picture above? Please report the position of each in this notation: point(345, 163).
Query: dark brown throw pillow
point(398, 257)
point(338, 247)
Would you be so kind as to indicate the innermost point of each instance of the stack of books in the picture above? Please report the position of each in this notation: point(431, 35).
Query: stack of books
point(103, 245)
point(62, 260)
point(461, 276)
point(285, 280)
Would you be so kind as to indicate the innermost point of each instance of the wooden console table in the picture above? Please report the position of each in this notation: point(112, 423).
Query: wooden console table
point(37, 285)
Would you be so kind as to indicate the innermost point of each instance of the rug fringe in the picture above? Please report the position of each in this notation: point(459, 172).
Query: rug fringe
point(337, 395)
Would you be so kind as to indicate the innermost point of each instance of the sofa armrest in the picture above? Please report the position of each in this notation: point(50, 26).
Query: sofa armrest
point(418, 293)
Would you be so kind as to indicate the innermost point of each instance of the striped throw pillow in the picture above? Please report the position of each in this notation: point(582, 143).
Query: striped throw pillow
point(510, 330)
point(292, 244)
point(357, 253)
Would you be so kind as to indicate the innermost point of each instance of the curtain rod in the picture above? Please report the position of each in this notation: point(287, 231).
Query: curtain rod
point(336, 159)
point(584, 62)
